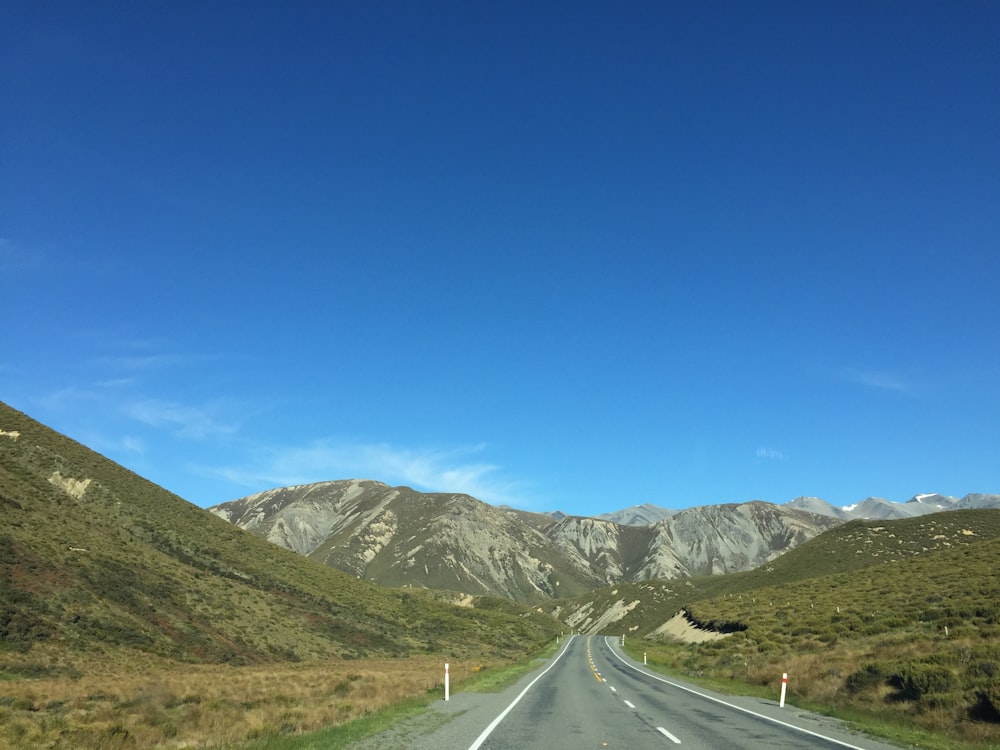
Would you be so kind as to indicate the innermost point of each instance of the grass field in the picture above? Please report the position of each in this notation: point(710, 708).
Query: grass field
point(205, 705)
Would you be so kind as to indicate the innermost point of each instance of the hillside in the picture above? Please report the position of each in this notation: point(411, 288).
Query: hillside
point(95, 560)
point(876, 546)
point(400, 537)
point(897, 618)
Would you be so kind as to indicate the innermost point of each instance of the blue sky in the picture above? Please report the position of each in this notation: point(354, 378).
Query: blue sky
point(556, 255)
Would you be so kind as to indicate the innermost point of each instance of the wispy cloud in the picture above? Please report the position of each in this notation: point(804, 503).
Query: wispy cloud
point(193, 422)
point(152, 362)
point(878, 379)
point(67, 398)
point(115, 383)
point(432, 470)
point(133, 445)
point(771, 454)
point(127, 444)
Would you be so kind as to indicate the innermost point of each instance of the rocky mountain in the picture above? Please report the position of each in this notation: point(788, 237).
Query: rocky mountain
point(638, 515)
point(818, 505)
point(872, 508)
point(933, 501)
point(880, 509)
point(716, 539)
point(977, 501)
point(400, 537)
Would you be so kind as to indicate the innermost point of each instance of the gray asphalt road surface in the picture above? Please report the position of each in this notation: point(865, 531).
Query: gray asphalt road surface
point(590, 695)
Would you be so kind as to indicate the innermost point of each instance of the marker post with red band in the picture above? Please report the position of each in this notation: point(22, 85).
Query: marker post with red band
point(784, 686)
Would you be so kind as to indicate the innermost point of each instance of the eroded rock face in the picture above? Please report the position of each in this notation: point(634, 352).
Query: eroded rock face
point(400, 537)
point(73, 487)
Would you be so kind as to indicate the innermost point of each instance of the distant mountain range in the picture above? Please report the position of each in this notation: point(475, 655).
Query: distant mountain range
point(638, 515)
point(397, 536)
point(872, 508)
point(880, 509)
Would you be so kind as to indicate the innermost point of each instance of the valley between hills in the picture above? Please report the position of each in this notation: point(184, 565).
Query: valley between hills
point(132, 618)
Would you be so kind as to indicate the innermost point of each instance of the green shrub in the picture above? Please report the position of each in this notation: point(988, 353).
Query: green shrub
point(869, 676)
point(917, 680)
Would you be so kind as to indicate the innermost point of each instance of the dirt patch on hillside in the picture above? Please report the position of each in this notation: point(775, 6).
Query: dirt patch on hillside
point(73, 487)
point(680, 627)
point(584, 621)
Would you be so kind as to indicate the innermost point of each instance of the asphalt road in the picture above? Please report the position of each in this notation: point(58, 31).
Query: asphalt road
point(590, 695)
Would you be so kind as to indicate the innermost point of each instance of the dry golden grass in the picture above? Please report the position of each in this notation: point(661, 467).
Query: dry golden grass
point(180, 706)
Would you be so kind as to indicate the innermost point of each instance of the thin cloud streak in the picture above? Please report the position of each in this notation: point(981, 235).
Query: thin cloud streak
point(428, 470)
point(196, 423)
point(771, 454)
point(878, 379)
point(152, 362)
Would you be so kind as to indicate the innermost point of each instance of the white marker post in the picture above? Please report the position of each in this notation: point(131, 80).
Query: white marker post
point(784, 686)
point(644, 658)
point(446, 681)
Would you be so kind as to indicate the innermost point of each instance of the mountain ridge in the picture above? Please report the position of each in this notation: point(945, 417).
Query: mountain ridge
point(873, 508)
point(400, 537)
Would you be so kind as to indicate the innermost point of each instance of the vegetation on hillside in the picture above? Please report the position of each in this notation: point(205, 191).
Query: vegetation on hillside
point(915, 637)
point(94, 558)
point(898, 620)
point(104, 574)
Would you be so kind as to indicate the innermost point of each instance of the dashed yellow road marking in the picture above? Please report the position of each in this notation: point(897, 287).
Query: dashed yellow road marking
point(593, 667)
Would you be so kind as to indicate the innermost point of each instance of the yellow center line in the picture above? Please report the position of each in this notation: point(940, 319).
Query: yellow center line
point(590, 660)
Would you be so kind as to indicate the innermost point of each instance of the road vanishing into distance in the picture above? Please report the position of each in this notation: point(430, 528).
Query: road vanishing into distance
point(590, 695)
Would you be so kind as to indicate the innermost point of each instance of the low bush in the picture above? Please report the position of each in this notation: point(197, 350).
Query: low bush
point(869, 676)
point(917, 680)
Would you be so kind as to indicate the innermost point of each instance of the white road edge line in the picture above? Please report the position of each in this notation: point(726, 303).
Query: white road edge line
point(611, 687)
point(493, 724)
point(667, 734)
point(730, 705)
point(630, 705)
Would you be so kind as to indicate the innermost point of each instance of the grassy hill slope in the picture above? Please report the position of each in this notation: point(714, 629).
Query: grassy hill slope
point(898, 619)
point(95, 560)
